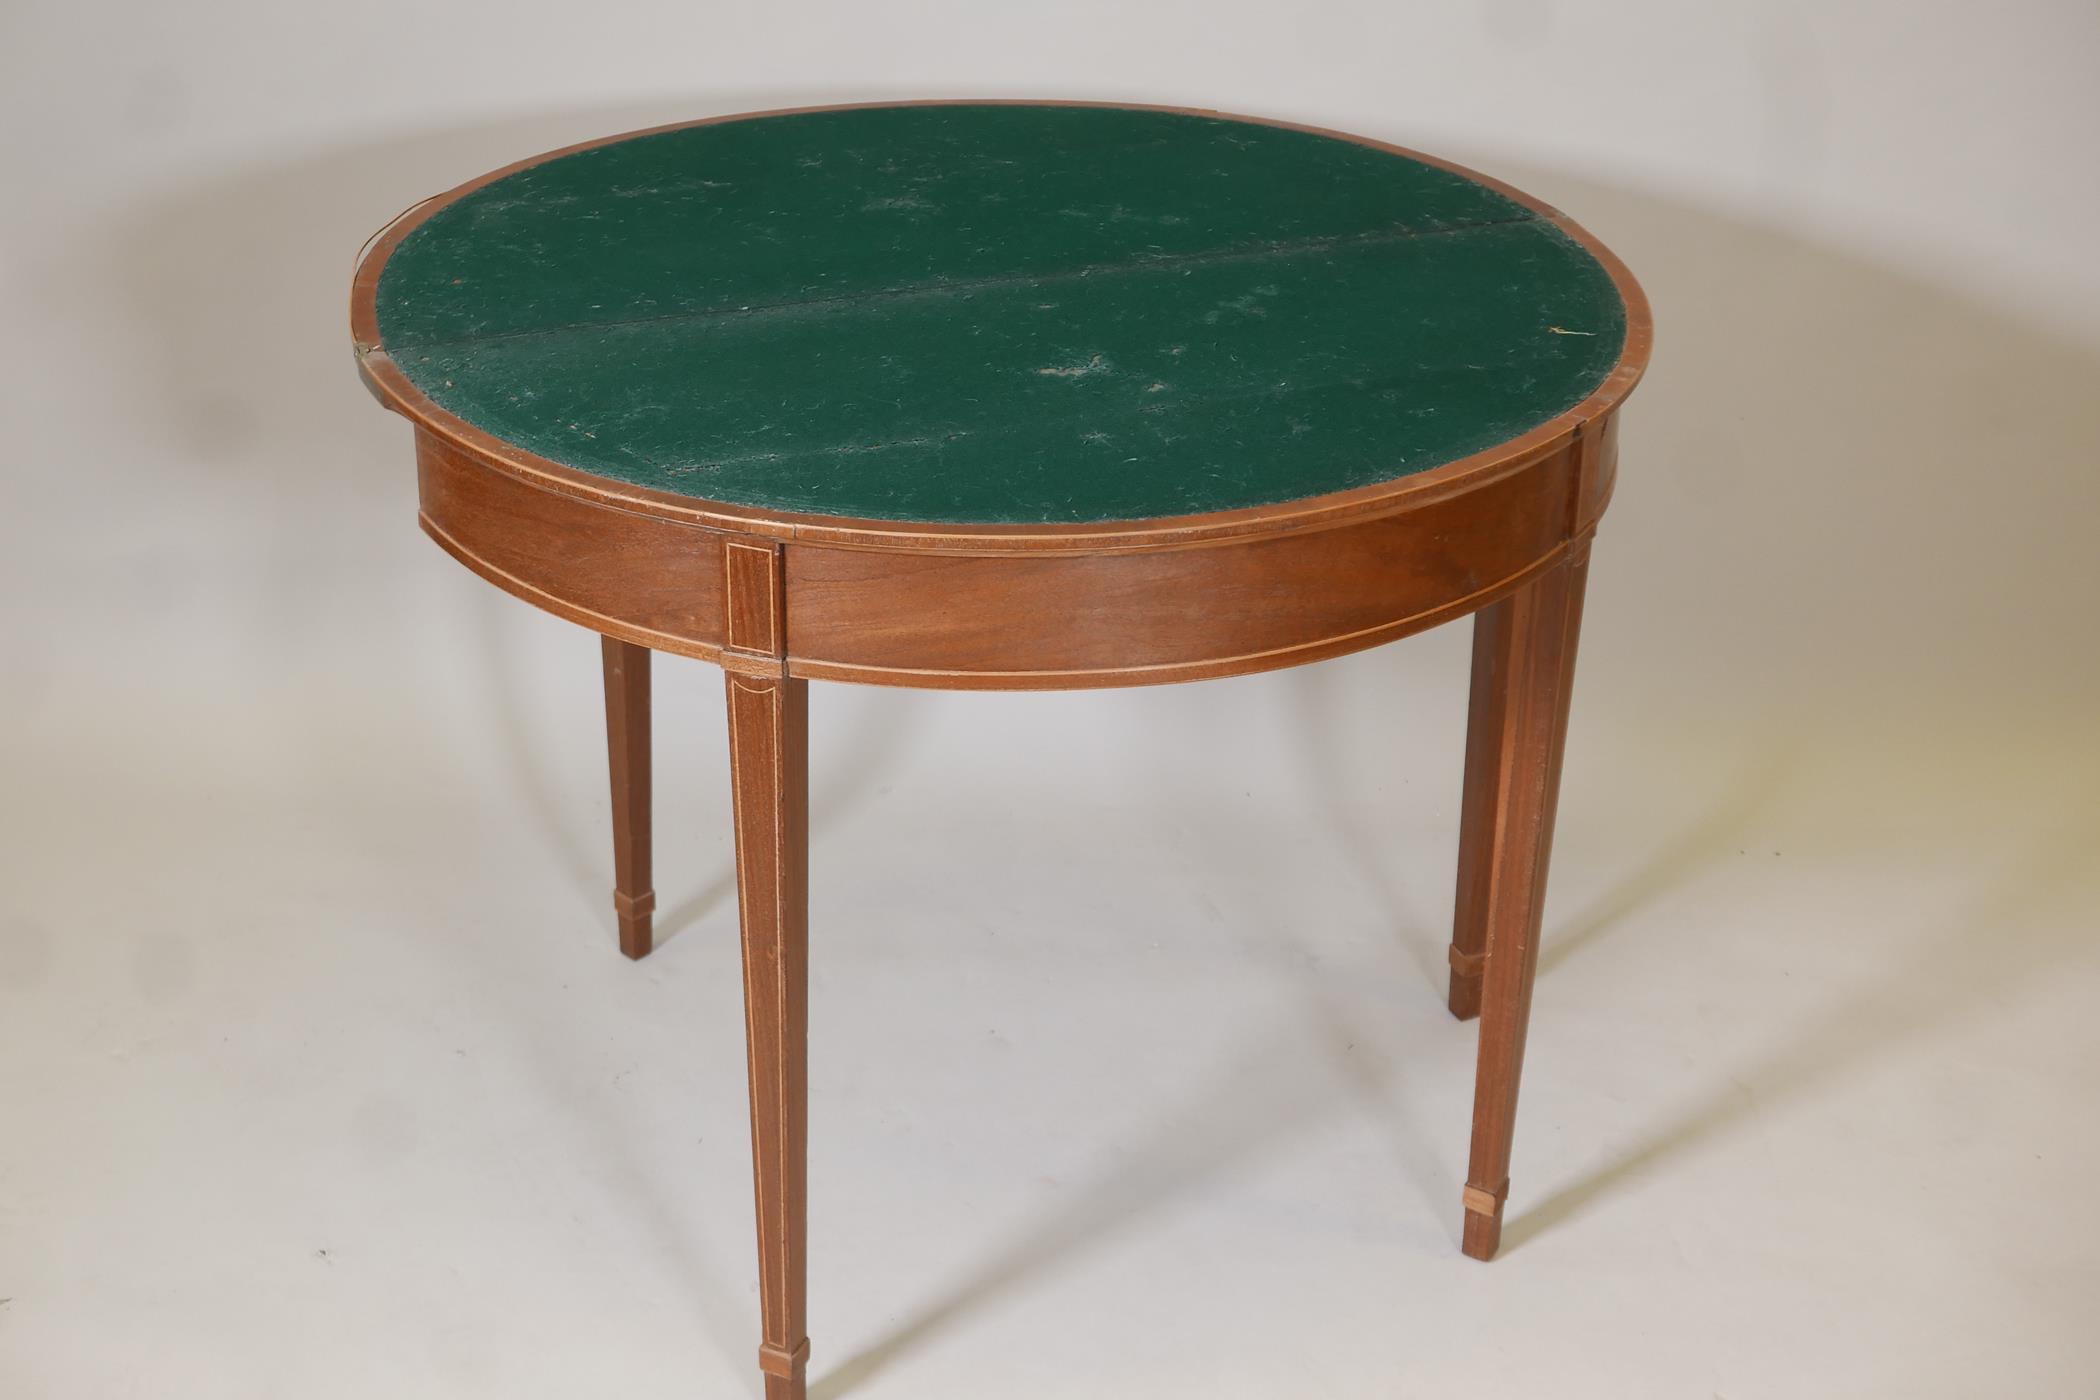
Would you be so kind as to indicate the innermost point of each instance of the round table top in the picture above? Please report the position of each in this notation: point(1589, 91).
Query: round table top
point(1009, 314)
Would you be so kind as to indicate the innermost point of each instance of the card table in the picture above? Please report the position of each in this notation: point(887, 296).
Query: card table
point(1017, 395)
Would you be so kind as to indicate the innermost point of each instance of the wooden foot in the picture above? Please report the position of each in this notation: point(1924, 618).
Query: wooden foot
point(627, 745)
point(1483, 1230)
point(1530, 663)
point(769, 774)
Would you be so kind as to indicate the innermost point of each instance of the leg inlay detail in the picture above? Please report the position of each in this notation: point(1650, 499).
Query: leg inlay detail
point(783, 1361)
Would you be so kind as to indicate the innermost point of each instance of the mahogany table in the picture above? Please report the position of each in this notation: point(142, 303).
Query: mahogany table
point(1017, 395)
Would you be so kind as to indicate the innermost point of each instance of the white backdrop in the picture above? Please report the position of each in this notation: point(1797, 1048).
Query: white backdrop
point(301, 820)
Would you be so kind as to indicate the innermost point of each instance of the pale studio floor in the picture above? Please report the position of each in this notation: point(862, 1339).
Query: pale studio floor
point(320, 1076)
point(1130, 1071)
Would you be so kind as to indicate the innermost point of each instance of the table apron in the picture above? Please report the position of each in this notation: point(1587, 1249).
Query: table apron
point(1020, 619)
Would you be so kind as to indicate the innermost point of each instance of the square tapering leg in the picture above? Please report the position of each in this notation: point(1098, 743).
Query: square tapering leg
point(1486, 717)
point(627, 747)
point(769, 773)
point(1527, 656)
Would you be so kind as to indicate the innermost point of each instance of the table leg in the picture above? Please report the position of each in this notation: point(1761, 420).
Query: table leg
point(769, 776)
point(627, 745)
point(1527, 654)
point(1487, 714)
